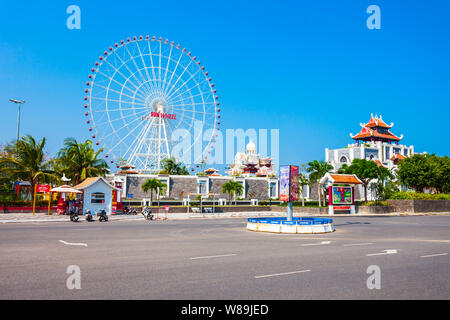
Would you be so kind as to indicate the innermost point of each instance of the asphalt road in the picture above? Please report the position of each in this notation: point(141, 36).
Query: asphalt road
point(220, 259)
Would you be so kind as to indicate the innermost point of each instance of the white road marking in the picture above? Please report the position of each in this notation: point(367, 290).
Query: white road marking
point(357, 244)
point(217, 256)
point(281, 274)
point(435, 255)
point(388, 251)
point(73, 244)
point(316, 244)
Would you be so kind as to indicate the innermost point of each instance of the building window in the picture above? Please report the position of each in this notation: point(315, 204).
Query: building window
point(273, 190)
point(202, 187)
point(343, 159)
point(98, 197)
point(405, 152)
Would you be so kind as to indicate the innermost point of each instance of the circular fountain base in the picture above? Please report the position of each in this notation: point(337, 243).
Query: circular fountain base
point(297, 225)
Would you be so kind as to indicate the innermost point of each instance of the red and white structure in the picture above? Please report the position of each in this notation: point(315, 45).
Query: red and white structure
point(374, 142)
point(139, 92)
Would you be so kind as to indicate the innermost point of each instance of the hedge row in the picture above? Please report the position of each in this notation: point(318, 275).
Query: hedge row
point(419, 196)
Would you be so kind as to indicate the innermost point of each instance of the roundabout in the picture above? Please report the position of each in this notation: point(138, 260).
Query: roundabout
point(296, 225)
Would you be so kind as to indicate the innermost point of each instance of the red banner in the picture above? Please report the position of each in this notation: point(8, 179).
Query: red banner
point(43, 188)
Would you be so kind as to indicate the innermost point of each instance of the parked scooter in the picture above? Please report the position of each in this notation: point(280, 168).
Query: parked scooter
point(147, 213)
point(73, 214)
point(102, 215)
point(89, 217)
point(129, 210)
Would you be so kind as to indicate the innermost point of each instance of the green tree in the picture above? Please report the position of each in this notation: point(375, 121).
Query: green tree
point(384, 186)
point(302, 181)
point(79, 161)
point(365, 170)
point(153, 185)
point(423, 170)
point(317, 170)
point(171, 166)
point(27, 162)
point(233, 188)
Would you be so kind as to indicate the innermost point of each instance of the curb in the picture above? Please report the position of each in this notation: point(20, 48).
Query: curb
point(235, 215)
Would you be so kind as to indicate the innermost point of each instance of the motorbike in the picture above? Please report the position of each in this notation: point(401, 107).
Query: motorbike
point(129, 210)
point(73, 215)
point(101, 214)
point(148, 215)
point(89, 217)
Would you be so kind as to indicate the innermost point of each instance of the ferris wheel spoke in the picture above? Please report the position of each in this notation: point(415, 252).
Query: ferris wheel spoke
point(144, 81)
point(167, 67)
point(145, 66)
point(174, 71)
point(117, 130)
point(122, 109)
point(118, 71)
point(138, 138)
point(189, 90)
point(130, 132)
point(178, 79)
point(194, 111)
point(184, 83)
point(190, 98)
point(129, 70)
point(120, 101)
point(141, 140)
point(121, 84)
point(121, 118)
point(118, 92)
point(151, 60)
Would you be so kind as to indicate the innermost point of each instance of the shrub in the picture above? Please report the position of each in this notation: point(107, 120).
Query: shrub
point(419, 196)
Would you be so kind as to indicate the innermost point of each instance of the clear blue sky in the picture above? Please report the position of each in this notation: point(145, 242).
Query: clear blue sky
point(311, 69)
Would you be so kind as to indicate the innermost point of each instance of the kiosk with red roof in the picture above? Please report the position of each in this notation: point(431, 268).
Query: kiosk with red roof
point(340, 191)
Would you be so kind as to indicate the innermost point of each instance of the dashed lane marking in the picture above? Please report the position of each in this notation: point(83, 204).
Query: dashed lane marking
point(280, 274)
point(435, 255)
point(73, 244)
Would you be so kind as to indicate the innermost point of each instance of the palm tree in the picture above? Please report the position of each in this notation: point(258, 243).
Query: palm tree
point(317, 170)
point(302, 181)
point(27, 162)
point(233, 188)
point(79, 161)
point(153, 185)
point(171, 166)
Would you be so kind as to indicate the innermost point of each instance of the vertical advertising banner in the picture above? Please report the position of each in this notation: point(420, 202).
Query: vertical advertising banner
point(289, 185)
point(294, 184)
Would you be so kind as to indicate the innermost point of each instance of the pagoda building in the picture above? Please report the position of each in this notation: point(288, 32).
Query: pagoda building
point(251, 164)
point(374, 142)
point(374, 131)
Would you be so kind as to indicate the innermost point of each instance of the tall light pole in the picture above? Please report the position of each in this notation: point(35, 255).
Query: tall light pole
point(19, 103)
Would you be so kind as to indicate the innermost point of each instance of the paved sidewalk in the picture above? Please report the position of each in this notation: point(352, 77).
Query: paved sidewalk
point(43, 217)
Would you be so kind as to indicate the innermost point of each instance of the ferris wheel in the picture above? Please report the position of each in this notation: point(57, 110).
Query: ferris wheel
point(144, 96)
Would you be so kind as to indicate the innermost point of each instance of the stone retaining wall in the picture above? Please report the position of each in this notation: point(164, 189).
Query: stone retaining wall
point(420, 205)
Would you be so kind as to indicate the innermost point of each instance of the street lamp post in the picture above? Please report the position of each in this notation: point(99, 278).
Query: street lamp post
point(19, 103)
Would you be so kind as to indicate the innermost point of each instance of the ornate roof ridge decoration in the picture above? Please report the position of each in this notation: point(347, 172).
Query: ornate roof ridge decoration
point(369, 131)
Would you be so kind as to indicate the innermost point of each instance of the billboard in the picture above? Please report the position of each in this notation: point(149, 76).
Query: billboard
point(43, 188)
point(289, 186)
point(342, 195)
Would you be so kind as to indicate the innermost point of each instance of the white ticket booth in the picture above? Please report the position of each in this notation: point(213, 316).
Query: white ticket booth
point(97, 194)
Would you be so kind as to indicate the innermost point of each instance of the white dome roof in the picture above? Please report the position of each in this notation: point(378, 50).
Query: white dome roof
point(251, 147)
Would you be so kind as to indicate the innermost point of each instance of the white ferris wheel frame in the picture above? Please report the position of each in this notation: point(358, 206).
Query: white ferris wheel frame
point(151, 83)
